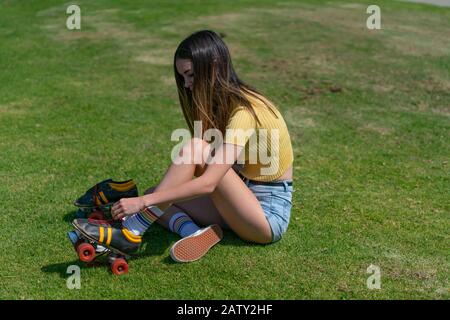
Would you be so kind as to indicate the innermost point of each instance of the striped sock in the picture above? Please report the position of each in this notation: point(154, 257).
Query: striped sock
point(182, 224)
point(139, 222)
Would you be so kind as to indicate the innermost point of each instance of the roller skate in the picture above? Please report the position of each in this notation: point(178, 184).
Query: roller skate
point(96, 203)
point(96, 238)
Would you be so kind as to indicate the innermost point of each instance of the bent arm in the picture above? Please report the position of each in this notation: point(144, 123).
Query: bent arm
point(223, 160)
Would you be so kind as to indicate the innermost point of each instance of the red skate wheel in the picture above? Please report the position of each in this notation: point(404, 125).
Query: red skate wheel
point(97, 215)
point(86, 252)
point(77, 244)
point(119, 266)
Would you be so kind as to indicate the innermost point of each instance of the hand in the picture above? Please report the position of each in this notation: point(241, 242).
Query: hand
point(127, 206)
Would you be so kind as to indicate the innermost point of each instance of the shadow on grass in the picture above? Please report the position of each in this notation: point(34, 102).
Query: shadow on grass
point(61, 268)
point(157, 242)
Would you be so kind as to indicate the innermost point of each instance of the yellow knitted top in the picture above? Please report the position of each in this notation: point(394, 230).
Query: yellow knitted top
point(268, 149)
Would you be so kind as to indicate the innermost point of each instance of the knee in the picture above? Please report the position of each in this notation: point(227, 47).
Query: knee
point(194, 149)
point(199, 170)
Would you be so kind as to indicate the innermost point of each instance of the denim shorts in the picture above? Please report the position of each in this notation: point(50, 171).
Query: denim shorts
point(276, 201)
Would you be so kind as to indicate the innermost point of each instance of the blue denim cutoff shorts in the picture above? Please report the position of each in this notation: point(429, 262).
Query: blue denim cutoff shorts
point(276, 201)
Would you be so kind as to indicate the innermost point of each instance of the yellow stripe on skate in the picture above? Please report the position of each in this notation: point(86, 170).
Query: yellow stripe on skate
point(102, 195)
point(131, 237)
point(122, 187)
point(109, 237)
point(97, 201)
point(102, 234)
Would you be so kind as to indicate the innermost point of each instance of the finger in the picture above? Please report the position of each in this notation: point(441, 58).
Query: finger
point(114, 210)
point(118, 211)
point(119, 216)
point(115, 205)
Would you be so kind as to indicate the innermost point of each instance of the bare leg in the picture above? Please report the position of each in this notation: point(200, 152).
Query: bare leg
point(235, 203)
point(201, 210)
point(241, 210)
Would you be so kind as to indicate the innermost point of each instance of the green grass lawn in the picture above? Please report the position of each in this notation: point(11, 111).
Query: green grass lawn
point(368, 112)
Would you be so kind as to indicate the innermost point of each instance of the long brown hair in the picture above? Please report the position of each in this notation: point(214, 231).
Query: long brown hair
point(217, 90)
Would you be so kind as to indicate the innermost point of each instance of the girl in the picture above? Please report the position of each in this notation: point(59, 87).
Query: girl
point(254, 200)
